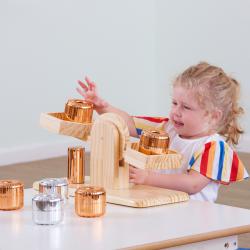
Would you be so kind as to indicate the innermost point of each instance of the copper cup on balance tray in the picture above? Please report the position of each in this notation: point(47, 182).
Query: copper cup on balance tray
point(154, 142)
point(78, 111)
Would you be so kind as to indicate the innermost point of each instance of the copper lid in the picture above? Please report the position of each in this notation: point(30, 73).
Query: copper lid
point(53, 182)
point(90, 190)
point(78, 111)
point(11, 188)
point(47, 202)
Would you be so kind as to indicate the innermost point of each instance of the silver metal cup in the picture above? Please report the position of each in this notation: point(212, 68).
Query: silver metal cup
point(55, 186)
point(47, 209)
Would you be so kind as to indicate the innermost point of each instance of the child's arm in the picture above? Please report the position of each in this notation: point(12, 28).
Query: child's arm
point(101, 106)
point(191, 183)
point(214, 161)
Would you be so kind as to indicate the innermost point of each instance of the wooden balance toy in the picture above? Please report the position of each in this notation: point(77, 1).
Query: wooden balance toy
point(111, 154)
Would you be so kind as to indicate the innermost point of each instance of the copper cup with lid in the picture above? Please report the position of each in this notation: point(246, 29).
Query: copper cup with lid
point(77, 110)
point(11, 194)
point(154, 142)
point(90, 201)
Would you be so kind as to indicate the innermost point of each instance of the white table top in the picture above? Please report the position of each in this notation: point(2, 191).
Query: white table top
point(120, 227)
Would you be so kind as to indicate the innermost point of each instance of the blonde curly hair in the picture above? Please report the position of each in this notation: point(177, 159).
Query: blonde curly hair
point(216, 91)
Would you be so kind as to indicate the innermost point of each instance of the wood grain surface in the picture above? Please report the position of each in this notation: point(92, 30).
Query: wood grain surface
point(135, 195)
point(104, 157)
point(172, 160)
point(55, 122)
point(124, 137)
point(145, 196)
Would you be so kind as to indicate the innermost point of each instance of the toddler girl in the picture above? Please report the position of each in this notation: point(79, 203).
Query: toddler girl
point(205, 108)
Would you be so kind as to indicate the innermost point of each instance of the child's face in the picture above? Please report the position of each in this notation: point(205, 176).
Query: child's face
point(187, 116)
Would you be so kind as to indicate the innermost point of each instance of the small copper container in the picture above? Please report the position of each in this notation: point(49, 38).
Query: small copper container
point(78, 111)
point(76, 165)
point(11, 194)
point(154, 142)
point(90, 201)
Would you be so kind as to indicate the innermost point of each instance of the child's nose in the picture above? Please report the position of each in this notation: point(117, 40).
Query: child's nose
point(177, 112)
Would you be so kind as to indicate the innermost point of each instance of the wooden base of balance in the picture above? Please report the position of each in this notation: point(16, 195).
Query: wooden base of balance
point(135, 195)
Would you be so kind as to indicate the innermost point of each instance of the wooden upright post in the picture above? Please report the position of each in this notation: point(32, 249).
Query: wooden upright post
point(109, 138)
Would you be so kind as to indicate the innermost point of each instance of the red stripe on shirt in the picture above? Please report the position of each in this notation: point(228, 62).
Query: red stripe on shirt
point(234, 169)
point(151, 119)
point(204, 159)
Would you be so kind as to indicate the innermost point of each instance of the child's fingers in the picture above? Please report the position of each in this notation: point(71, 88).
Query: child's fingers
point(89, 87)
point(132, 170)
point(131, 180)
point(87, 80)
point(94, 87)
point(81, 92)
point(133, 166)
point(89, 83)
point(132, 176)
point(85, 88)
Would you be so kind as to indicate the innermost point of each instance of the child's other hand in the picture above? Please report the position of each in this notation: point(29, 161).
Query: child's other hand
point(90, 94)
point(137, 175)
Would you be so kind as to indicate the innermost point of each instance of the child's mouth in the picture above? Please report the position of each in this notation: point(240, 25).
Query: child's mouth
point(178, 124)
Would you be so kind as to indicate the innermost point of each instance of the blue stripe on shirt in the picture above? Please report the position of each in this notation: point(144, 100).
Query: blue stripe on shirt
point(139, 131)
point(221, 160)
point(191, 162)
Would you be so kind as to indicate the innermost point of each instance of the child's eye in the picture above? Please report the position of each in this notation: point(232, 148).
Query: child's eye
point(186, 107)
point(174, 103)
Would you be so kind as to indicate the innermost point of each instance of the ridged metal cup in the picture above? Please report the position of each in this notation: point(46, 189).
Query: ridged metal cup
point(11, 194)
point(76, 165)
point(55, 186)
point(47, 209)
point(154, 142)
point(90, 201)
point(78, 111)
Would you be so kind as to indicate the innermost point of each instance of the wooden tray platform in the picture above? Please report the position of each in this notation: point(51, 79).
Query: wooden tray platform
point(172, 160)
point(55, 122)
point(135, 196)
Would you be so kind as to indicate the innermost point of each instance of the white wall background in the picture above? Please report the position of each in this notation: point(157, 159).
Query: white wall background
point(131, 49)
point(46, 46)
point(191, 31)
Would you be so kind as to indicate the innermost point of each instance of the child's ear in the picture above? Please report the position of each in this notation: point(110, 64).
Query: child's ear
point(217, 115)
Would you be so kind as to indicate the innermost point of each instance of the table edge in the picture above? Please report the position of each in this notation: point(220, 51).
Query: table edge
point(192, 238)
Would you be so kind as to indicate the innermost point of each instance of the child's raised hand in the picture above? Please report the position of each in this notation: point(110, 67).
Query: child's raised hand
point(90, 94)
point(137, 175)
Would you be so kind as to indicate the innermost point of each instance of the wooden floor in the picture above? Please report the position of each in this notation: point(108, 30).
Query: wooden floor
point(237, 194)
